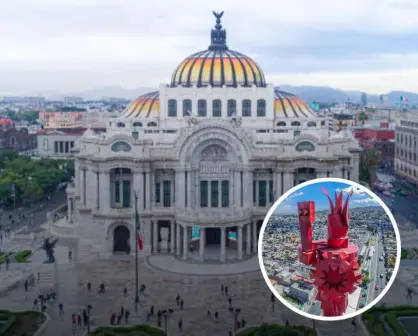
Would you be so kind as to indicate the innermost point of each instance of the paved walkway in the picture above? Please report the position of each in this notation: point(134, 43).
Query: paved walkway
point(175, 265)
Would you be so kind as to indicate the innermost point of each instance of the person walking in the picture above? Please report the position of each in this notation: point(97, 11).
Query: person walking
point(230, 302)
point(79, 320)
point(152, 310)
point(226, 290)
point(222, 289)
point(180, 324)
point(26, 285)
point(216, 316)
point(60, 309)
point(178, 300)
point(181, 304)
point(89, 286)
point(127, 313)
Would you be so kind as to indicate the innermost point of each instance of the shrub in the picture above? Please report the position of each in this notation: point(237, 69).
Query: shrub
point(22, 256)
point(143, 330)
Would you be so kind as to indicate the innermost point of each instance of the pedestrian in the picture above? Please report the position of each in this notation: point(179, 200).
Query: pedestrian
point(127, 313)
point(209, 313)
point(35, 304)
point(230, 333)
point(287, 323)
point(226, 290)
point(85, 318)
point(238, 324)
point(7, 263)
point(152, 310)
point(101, 288)
point(178, 299)
point(73, 320)
point(180, 324)
point(243, 323)
point(89, 286)
point(61, 309)
point(216, 315)
point(148, 317)
point(26, 285)
point(354, 323)
point(230, 302)
point(112, 319)
point(125, 291)
point(119, 319)
point(181, 304)
point(122, 311)
point(222, 289)
point(79, 320)
point(70, 256)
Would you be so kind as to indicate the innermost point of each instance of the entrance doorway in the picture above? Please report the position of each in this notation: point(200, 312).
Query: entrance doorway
point(213, 236)
point(121, 237)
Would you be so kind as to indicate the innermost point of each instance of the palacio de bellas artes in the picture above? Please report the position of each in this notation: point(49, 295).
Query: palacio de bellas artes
point(206, 156)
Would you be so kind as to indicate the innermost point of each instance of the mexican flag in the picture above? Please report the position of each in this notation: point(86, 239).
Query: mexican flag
point(138, 231)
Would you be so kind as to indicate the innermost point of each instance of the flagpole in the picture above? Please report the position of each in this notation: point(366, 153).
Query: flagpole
point(136, 254)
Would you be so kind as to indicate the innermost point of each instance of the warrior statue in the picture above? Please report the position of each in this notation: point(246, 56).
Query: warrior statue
point(49, 248)
point(335, 260)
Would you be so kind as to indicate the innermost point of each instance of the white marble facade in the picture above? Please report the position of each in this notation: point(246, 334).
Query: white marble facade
point(211, 155)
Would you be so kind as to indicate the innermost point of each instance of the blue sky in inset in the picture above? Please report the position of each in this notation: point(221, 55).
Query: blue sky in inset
point(313, 192)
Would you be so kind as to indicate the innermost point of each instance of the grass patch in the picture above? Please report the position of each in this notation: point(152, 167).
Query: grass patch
point(373, 319)
point(22, 256)
point(139, 330)
point(279, 330)
point(19, 323)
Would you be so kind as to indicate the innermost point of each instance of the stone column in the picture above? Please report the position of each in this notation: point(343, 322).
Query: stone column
point(255, 242)
point(178, 238)
point(202, 243)
point(248, 234)
point(180, 189)
point(77, 178)
point(287, 181)
point(82, 186)
point(148, 189)
point(172, 238)
point(223, 244)
point(185, 241)
point(70, 210)
point(239, 229)
point(152, 189)
point(248, 188)
point(105, 190)
point(278, 185)
point(189, 189)
point(138, 188)
point(155, 236)
point(237, 186)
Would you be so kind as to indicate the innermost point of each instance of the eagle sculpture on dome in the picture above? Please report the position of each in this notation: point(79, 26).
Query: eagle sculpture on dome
point(218, 15)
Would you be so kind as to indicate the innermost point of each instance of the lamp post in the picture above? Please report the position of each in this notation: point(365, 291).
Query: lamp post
point(136, 253)
point(165, 314)
point(88, 319)
point(236, 313)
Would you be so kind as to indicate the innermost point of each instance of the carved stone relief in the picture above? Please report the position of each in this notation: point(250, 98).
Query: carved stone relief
point(214, 153)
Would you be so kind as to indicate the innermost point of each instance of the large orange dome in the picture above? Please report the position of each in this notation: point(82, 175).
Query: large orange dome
point(218, 65)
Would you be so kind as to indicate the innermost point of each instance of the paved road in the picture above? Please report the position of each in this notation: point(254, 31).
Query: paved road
point(405, 206)
point(39, 215)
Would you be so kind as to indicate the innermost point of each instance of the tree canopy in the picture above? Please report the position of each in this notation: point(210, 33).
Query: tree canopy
point(33, 179)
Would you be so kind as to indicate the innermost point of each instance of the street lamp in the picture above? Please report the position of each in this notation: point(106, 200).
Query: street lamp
point(88, 319)
point(237, 311)
point(165, 314)
point(136, 253)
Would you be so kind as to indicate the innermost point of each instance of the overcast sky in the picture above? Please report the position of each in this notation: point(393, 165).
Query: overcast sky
point(74, 45)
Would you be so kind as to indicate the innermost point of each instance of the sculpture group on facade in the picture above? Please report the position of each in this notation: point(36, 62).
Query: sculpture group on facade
point(49, 247)
point(335, 260)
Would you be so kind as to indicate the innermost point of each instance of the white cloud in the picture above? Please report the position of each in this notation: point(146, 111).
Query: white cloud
point(356, 191)
point(296, 194)
point(365, 201)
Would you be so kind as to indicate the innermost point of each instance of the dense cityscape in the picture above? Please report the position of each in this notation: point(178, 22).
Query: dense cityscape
point(370, 229)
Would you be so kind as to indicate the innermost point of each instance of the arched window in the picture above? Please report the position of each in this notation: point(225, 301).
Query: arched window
point(201, 108)
point(295, 123)
point(187, 107)
point(121, 146)
point(217, 108)
point(121, 124)
point(137, 124)
point(305, 146)
point(152, 124)
point(172, 108)
point(246, 108)
point(311, 124)
point(232, 107)
point(261, 108)
point(281, 124)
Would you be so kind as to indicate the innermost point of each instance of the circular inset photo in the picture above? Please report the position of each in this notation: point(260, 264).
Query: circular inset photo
point(329, 249)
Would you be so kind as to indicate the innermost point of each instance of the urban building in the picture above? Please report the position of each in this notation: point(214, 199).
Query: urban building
point(343, 120)
point(57, 120)
point(205, 156)
point(406, 153)
point(72, 101)
point(16, 139)
point(302, 294)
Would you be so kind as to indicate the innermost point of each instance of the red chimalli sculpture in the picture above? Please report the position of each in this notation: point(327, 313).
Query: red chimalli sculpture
point(335, 260)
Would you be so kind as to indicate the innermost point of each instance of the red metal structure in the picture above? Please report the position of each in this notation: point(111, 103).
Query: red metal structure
point(335, 260)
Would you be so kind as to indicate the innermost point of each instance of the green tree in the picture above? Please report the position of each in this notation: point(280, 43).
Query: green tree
point(366, 279)
point(370, 160)
point(363, 117)
point(30, 115)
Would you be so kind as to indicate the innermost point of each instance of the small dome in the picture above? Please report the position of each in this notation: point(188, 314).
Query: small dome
point(218, 65)
point(287, 105)
point(145, 106)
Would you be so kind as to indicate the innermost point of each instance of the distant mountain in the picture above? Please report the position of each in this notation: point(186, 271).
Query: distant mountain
point(309, 94)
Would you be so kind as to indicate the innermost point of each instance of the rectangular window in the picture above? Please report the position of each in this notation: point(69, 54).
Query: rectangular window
point(214, 194)
point(262, 188)
point(67, 148)
point(167, 194)
point(254, 191)
point(117, 191)
point(157, 192)
point(225, 194)
point(61, 146)
point(204, 194)
point(271, 192)
point(55, 146)
point(126, 186)
point(72, 144)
